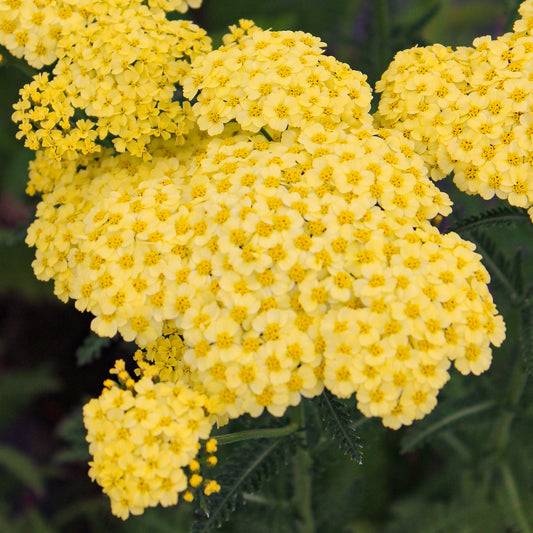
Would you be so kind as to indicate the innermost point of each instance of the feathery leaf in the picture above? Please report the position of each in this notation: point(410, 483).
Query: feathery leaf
point(245, 471)
point(338, 420)
point(500, 216)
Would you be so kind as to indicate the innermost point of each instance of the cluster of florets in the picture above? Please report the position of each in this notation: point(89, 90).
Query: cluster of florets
point(116, 78)
point(419, 303)
point(145, 438)
point(260, 244)
point(128, 239)
point(468, 112)
point(32, 29)
point(285, 266)
point(276, 79)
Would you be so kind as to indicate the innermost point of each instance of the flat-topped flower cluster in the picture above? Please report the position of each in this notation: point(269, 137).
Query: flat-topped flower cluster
point(115, 78)
point(468, 110)
point(240, 215)
point(145, 441)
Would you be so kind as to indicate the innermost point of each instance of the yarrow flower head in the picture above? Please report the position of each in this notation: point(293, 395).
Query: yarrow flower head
point(468, 111)
point(120, 71)
point(259, 254)
point(115, 234)
point(275, 79)
point(145, 438)
point(251, 229)
point(32, 29)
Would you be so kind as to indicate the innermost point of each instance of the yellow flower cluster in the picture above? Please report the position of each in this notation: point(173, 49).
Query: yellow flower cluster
point(262, 241)
point(468, 111)
point(144, 440)
point(44, 174)
point(276, 80)
point(525, 23)
point(115, 79)
point(284, 265)
point(425, 305)
point(32, 28)
point(129, 239)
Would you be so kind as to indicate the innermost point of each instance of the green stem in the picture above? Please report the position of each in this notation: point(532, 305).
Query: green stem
point(502, 427)
point(302, 479)
point(514, 497)
point(269, 433)
point(383, 35)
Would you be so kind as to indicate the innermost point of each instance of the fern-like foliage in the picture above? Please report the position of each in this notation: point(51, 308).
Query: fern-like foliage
point(338, 424)
point(91, 348)
point(252, 464)
point(500, 216)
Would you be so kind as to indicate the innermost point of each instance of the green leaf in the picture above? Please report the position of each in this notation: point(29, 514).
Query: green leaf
point(21, 467)
point(91, 348)
point(338, 421)
point(501, 216)
point(245, 471)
